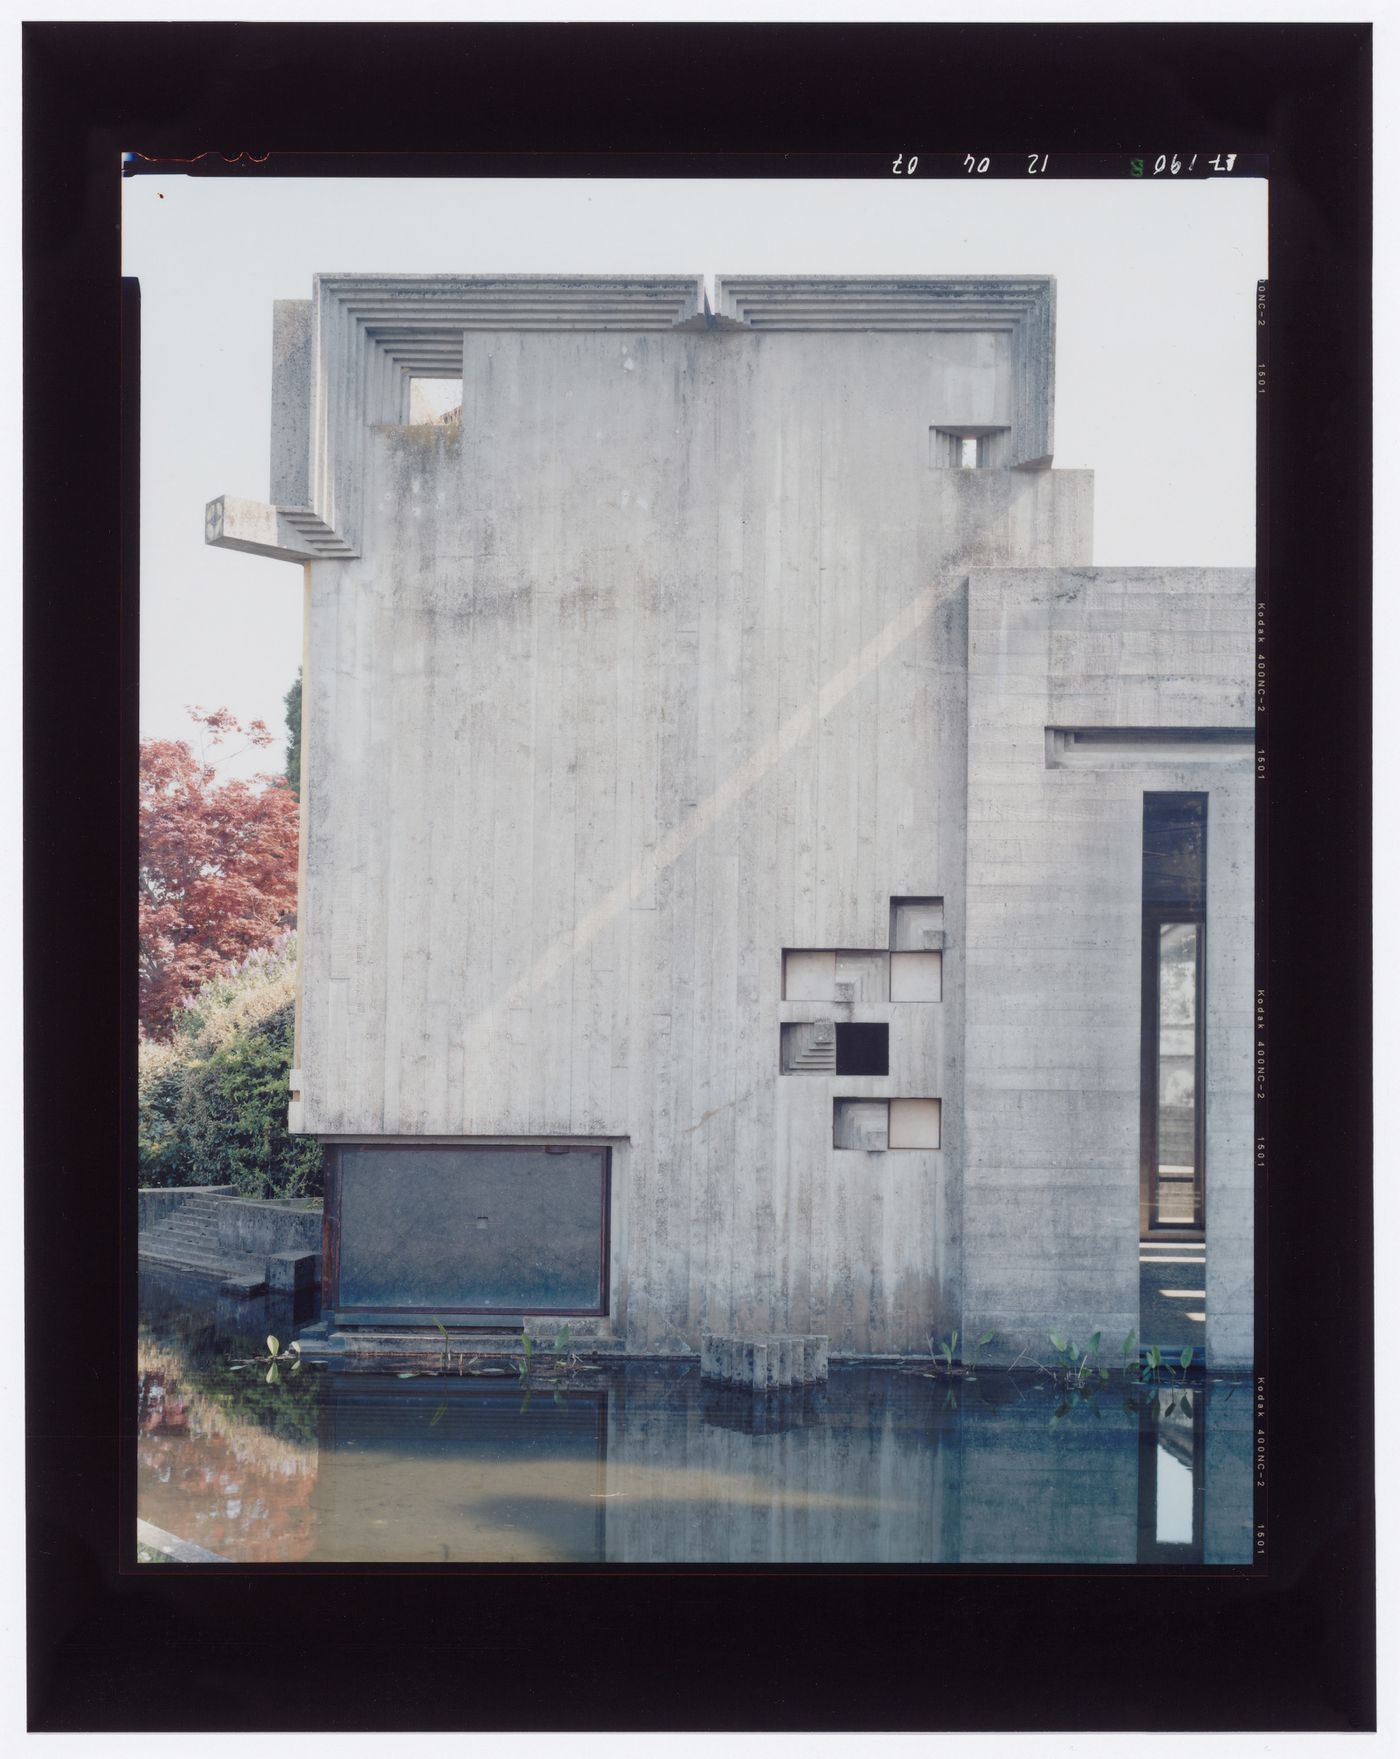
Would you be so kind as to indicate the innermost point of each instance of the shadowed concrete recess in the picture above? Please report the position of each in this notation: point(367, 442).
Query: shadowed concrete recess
point(726, 678)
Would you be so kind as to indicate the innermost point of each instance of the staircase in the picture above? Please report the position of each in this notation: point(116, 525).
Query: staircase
point(188, 1239)
point(809, 1048)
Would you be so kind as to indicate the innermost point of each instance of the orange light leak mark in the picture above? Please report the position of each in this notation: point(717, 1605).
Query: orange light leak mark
point(228, 158)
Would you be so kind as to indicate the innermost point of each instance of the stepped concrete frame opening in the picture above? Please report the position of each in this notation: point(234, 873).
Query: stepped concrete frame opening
point(723, 679)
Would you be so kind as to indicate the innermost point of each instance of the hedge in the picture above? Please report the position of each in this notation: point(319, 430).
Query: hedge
point(213, 1100)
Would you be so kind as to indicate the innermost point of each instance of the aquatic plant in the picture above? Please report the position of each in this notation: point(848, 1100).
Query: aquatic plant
point(1156, 1362)
point(1075, 1365)
point(981, 1344)
point(275, 1357)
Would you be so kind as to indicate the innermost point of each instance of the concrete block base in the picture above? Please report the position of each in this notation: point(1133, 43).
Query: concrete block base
point(764, 1362)
point(243, 1286)
point(293, 1270)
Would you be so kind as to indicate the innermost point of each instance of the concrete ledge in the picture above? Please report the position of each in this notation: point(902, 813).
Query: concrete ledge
point(173, 1550)
point(244, 1287)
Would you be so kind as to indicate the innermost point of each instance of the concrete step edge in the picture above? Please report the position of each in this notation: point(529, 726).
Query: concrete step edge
point(202, 1261)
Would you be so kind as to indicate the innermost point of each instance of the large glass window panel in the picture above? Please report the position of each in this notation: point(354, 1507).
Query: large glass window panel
point(1174, 851)
point(1178, 958)
point(504, 1230)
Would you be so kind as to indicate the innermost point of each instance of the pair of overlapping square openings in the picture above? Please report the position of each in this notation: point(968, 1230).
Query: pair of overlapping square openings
point(910, 971)
point(826, 1047)
point(874, 1125)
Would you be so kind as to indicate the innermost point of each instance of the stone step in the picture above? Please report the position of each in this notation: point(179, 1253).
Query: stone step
point(185, 1248)
point(190, 1236)
point(188, 1258)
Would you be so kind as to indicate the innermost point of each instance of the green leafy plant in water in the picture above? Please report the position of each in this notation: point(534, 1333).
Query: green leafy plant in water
point(1076, 1366)
point(527, 1350)
point(274, 1358)
point(946, 1350)
point(1156, 1363)
point(981, 1343)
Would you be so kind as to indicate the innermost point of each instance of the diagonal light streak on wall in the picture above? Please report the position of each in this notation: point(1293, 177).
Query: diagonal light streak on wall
point(649, 867)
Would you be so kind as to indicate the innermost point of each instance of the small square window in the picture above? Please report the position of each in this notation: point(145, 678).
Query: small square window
point(916, 977)
point(862, 1124)
point(916, 1123)
point(916, 925)
point(435, 402)
point(862, 1050)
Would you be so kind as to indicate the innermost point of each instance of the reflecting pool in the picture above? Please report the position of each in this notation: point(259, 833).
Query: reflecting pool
point(644, 1464)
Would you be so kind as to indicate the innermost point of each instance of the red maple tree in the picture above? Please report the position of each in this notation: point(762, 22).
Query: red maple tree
point(218, 874)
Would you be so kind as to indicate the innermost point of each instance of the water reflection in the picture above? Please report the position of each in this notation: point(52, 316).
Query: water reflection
point(646, 1465)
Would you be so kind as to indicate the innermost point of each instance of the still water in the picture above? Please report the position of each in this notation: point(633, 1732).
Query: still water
point(643, 1464)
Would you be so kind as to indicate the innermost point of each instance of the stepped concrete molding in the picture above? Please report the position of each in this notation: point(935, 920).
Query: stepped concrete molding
point(344, 359)
point(1019, 308)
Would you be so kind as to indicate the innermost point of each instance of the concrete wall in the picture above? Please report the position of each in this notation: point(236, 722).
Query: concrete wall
point(687, 646)
point(1054, 926)
point(262, 1228)
point(651, 669)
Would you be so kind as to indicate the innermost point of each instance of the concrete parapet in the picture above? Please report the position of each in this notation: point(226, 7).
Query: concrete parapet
point(775, 1360)
point(263, 1227)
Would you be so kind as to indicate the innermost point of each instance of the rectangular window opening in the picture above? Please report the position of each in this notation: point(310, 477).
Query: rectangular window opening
point(835, 975)
point(467, 1229)
point(1173, 1024)
point(966, 448)
point(824, 1047)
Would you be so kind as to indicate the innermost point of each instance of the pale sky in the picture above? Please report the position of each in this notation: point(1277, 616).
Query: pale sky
point(1154, 349)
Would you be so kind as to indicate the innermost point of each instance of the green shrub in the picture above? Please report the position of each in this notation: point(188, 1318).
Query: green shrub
point(213, 1100)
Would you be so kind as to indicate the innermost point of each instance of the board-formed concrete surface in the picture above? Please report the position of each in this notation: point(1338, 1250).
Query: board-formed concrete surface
point(692, 645)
